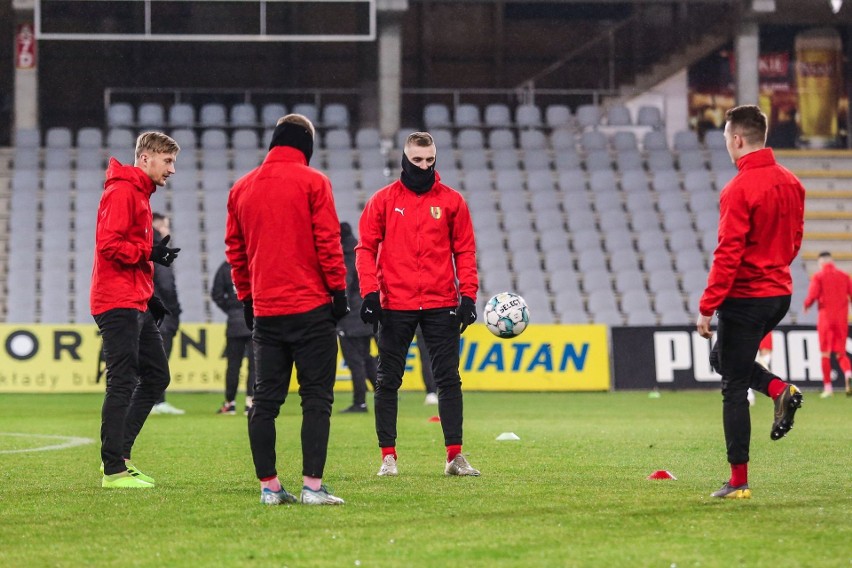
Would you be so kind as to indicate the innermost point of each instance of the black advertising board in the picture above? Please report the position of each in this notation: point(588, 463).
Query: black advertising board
point(676, 357)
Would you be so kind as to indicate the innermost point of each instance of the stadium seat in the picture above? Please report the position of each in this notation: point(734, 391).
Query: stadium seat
point(598, 160)
point(498, 115)
point(588, 116)
point(628, 160)
point(243, 115)
point(470, 138)
point(624, 140)
point(58, 137)
point(467, 116)
point(660, 160)
point(654, 141)
point(367, 138)
point(443, 138)
point(634, 181)
point(686, 140)
point(629, 280)
point(244, 139)
point(338, 139)
point(528, 116)
point(618, 115)
point(690, 160)
point(309, 110)
point(715, 140)
point(151, 116)
point(436, 115)
point(27, 138)
point(536, 160)
point(593, 140)
point(214, 138)
point(533, 140)
point(213, 115)
point(557, 116)
point(501, 138)
point(618, 239)
point(120, 115)
point(270, 113)
point(181, 115)
point(649, 116)
point(335, 115)
point(665, 181)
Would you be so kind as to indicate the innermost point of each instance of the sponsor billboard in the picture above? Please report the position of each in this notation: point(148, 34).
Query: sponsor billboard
point(677, 358)
point(63, 358)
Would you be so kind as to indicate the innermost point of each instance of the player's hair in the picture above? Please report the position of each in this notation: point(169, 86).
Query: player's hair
point(825, 254)
point(423, 139)
point(750, 121)
point(298, 119)
point(157, 143)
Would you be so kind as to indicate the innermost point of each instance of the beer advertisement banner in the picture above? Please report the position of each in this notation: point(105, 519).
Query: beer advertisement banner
point(64, 358)
point(676, 358)
point(803, 87)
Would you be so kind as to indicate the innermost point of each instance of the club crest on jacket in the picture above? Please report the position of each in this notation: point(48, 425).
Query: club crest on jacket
point(436, 212)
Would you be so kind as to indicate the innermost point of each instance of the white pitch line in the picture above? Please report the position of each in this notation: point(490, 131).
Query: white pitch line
point(70, 442)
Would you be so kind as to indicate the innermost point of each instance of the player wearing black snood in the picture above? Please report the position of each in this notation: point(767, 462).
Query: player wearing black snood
point(416, 263)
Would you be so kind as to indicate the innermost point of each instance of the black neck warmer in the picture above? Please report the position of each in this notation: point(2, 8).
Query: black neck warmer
point(416, 179)
point(295, 136)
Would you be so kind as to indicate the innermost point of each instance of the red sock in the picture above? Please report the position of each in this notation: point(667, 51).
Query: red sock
point(453, 451)
point(739, 474)
point(389, 451)
point(826, 370)
point(776, 387)
point(843, 361)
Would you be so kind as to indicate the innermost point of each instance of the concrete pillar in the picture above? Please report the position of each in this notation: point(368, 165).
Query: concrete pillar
point(390, 73)
point(747, 52)
point(26, 67)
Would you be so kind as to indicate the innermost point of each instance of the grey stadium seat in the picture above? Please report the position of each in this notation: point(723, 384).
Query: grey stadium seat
point(498, 115)
point(467, 115)
point(213, 115)
point(557, 116)
point(436, 115)
point(335, 115)
point(618, 115)
point(243, 115)
point(120, 115)
point(151, 115)
point(588, 116)
point(181, 115)
point(649, 116)
point(528, 116)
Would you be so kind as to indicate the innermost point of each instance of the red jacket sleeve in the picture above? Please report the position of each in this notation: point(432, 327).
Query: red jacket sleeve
point(235, 250)
point(814, 290)
point(116, 216)
point(327, 238)
point(371, 229)
point(464, 252)
point(733, 228)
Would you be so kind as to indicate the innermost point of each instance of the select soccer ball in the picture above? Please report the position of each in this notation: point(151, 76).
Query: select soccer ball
point(506, 315)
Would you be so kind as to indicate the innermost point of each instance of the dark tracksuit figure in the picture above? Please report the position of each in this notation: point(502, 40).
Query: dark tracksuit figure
point(165, 289)
point(355, 336)
point(237, 339)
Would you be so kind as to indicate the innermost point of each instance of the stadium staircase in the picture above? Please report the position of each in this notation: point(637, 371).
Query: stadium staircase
point(827, 177)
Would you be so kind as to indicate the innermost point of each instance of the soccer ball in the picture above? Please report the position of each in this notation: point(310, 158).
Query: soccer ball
point(506, 315)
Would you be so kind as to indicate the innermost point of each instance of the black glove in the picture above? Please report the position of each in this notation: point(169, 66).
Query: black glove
point(158, 310)
point(339, 305)
point(465, 313)
point(248, 313)
point(371, 310)
point(161, 254)
point(714, 361)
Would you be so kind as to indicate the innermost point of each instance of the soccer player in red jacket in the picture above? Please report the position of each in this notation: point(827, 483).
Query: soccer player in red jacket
point(283, 244)
point(124, 307)
point(831, 289)
point(416, 243)
point(761, 223)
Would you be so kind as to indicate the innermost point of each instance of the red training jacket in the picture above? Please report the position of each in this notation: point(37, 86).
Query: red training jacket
point(283, 236)
point(122, 275)
point(413, 247)
point(761, 222)
point(832, 289)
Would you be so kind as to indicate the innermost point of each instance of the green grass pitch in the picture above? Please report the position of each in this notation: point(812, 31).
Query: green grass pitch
point(572, 492)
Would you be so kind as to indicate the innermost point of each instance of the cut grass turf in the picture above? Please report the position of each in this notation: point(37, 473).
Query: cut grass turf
point(572, 492)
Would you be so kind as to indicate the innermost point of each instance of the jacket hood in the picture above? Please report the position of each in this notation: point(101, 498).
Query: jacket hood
point(116, 171)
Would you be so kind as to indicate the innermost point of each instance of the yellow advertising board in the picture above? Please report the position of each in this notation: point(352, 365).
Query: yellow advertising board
point(63, 358)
